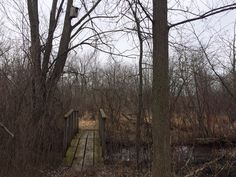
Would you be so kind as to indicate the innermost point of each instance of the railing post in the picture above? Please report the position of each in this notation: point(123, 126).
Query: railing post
point(67, 129)
point(73, 123)
point(77, 120)
point(100, 126)
point(71, 127)
point(65, 140)
point(102, 131)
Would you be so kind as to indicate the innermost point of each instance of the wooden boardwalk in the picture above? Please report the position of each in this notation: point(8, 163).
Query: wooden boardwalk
point(85, 155)
point(85, 151)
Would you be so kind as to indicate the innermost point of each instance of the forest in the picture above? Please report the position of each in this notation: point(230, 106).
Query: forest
point(122, 88)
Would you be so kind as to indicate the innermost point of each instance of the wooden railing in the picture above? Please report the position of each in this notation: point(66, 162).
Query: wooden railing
point(71, 127)
point(102, 130)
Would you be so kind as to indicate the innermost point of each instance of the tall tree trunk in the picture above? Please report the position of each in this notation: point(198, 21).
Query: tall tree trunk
point(140, 115)
point(63, 50)
point(233, 107)
point(140, 98)
point(38, 93)
point(161, 166)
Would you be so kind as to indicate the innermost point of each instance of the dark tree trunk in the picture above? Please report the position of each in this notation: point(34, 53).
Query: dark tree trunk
point(38, 89)
point(161, 166)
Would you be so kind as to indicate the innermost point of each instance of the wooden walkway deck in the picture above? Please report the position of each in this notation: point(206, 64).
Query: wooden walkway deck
point(87, 154)
point(85, 151)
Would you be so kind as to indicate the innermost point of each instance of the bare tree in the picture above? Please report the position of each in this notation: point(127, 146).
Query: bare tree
point(161, 166)
point(47, 72)
point(161, 130)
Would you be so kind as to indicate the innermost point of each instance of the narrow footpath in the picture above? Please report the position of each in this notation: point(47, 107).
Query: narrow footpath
point(85, 150)
point(87, 153)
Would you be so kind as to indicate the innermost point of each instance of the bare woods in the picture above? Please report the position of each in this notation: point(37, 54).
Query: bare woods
point(166, 84)
point(31, 144)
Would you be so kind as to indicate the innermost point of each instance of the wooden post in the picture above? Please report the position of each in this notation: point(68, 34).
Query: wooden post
point(67, 130)
point(65, 139)
point(73, 123)
point(77, 120)
point(71, 127)
point(102, 131)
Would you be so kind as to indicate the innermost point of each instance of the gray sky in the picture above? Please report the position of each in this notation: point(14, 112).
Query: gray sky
point(212, 28)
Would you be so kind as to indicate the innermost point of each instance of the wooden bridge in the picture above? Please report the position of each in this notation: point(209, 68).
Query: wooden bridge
point(83, 147)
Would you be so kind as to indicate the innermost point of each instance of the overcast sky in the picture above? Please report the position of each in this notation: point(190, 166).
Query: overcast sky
point(221, 25)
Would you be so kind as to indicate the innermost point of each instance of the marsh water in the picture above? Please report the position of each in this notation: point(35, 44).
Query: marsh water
point(209, 161)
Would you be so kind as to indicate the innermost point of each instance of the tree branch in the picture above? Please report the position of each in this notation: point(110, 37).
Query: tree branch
point(206, 14)
point(81, 27)
point(6, 129)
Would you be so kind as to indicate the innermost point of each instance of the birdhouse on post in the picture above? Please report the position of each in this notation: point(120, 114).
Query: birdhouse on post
point(74, 12)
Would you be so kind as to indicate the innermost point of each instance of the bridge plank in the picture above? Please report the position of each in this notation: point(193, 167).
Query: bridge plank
point(88, 160)
point(71, 151)
point(97, 149)
point(79, 156)
point(88, 149)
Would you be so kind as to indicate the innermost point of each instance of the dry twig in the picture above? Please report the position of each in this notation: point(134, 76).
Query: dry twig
point(6, 129)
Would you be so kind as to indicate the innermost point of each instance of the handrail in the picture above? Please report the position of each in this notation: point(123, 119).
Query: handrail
point(102, 130)
point(71, 127)
point(68, 113)
point(103, 115)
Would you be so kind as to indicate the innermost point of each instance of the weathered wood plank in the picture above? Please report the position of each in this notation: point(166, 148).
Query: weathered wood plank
point(97, 149)
point(88, 160)
point(79, 156)
point(88, 152)
point(70, 154)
